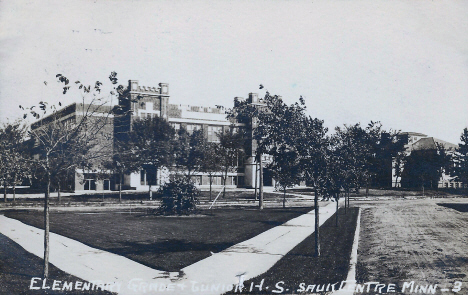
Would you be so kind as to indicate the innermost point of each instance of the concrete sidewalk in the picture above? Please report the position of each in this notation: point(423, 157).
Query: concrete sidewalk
point(213, 275)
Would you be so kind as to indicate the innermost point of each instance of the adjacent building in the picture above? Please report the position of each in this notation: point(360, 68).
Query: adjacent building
point(426, 147)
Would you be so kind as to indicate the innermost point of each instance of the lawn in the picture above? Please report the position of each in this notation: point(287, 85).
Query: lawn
point(414, 240)
point(128, 197)
point(164, 243)
point(300, 266)
point(18, 267)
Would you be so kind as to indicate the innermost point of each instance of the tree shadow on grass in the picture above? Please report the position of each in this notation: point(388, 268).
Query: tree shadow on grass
point(168, 246)
point(460, 207)
point(168, 255)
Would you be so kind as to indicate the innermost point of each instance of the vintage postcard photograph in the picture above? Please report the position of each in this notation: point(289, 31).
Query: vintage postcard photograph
point(233, 147)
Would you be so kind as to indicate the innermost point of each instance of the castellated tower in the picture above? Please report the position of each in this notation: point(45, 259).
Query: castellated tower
point(140, 102)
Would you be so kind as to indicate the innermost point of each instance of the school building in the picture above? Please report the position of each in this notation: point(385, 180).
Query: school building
point(140, 101)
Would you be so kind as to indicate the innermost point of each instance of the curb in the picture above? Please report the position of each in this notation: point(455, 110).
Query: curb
point(350, 283)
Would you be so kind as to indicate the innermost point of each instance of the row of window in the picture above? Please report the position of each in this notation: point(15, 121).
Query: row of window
point(147, 178)
point(144, 115)
point(455, 185)
point(216, 180)
point(90, 185)
point(212, 130)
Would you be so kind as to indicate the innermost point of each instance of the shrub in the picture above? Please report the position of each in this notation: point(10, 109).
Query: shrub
point(178, 196)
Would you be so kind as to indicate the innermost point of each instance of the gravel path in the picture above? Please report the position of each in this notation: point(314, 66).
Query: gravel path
point(414, 240)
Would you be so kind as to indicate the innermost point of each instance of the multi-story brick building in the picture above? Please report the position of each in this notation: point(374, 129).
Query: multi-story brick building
point(141, 102)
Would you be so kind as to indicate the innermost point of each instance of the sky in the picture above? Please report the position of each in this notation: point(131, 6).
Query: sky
point(403, 63)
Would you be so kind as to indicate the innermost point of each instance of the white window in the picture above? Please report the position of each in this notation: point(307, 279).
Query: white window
point(193, 127)
point(176, 126)
point(213, 132)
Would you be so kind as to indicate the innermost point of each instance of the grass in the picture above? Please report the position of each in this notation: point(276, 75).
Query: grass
point(130, 197)
point(301, 266)
point(164, 243)
point(18, 267)
point(241, 195)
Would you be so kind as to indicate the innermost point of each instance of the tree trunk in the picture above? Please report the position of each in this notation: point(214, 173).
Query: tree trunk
point(46, 228)
point(225, 180)
point(317, 225)
point(4, 191)
point(367, 189)
point(345, 201)
point(211, 182)
point(337, 201)
point(260, 197)
point(58, 192)
point(284, 198)
point(120, 187)
point(256, 180)
point(14, 190)
point(348, 199)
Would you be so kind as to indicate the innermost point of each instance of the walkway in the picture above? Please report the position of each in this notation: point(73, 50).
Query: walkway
point(213, 275)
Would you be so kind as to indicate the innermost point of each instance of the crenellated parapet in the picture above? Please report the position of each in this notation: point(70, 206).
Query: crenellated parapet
point(162, 89)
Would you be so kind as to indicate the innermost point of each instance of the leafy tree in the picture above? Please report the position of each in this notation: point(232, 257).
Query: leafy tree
point(335, 176)
point(64, 143)
point(348, 144)
point(279, 129)
point(424, 167)
point(384, 146)
point(399, 155)
point(314, 150)
point(286, 169)
point(247, 113)
point(461, 158)
point(14, 157)
point(151, 146)
point(178, 196)
point(190, 152)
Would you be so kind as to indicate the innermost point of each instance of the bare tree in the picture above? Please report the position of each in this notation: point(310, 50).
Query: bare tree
point(211, 164)
point(231, 152)
point(69, 138)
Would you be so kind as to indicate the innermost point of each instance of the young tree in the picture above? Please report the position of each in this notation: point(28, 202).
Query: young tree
point(314, 149)
point(190, 152)
point(64, 142)
point(151, 144)
point(13, 155)
point(231, 143)
point(120, 163)
point(286, 169)
point(247, 112)
point(211, 164)
point(335, 179)
point(279, 132)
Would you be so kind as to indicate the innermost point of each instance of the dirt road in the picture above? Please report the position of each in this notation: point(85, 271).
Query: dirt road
point(415, 240)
